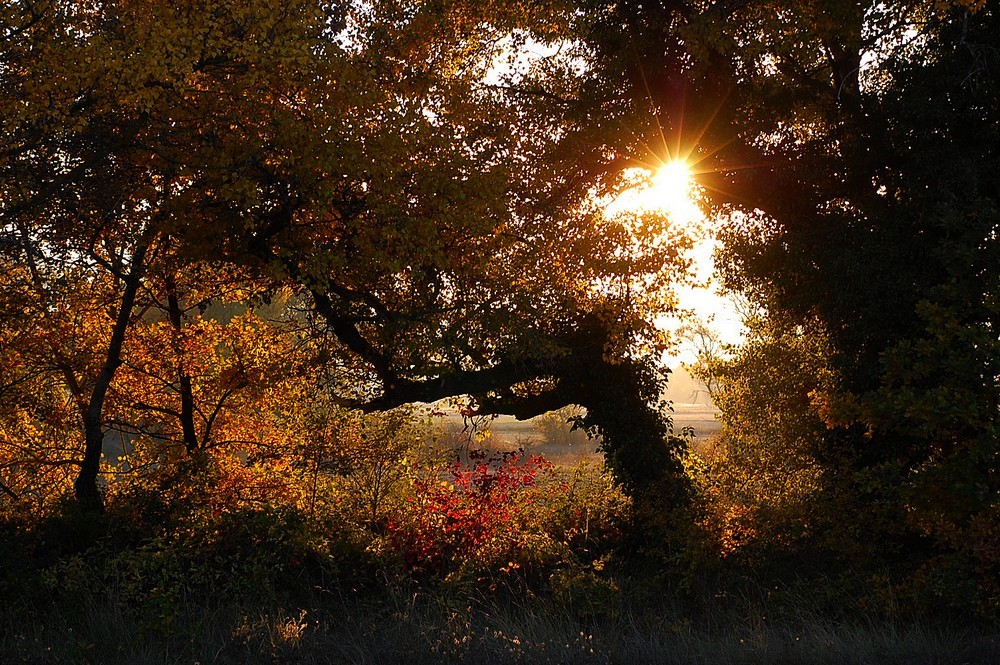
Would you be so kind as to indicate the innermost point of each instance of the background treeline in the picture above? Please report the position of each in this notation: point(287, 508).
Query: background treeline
point(239, 238)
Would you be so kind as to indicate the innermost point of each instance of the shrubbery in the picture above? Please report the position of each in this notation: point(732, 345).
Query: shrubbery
point(378, 500)
point(371, 511)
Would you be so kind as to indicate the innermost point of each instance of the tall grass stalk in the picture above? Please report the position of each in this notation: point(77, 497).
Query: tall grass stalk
point(419, 628)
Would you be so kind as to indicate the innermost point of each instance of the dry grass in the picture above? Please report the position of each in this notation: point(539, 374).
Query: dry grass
point(429, 629)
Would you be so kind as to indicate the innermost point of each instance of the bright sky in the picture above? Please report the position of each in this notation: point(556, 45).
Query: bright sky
point(672, 189)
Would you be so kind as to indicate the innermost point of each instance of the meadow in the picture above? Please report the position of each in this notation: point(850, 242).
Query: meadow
point(500, 557)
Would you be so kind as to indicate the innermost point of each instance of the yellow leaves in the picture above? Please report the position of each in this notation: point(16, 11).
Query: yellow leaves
point(943, 6)
point(38, 432)
point(222, 363)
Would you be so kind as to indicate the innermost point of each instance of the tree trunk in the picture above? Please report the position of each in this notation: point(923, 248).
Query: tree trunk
point(87, 492)
point(176, 315)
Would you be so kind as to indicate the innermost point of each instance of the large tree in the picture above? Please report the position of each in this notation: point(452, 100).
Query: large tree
point(853, 148)
point(411, 168)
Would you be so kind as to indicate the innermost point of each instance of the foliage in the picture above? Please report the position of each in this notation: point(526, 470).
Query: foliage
point(238, 234)
point(433, 213)
point(511, 515)
point(762, 475)
point(367, 491)
point(262, 529)
point(560, 428)
point(468, 520)
point(851, 149)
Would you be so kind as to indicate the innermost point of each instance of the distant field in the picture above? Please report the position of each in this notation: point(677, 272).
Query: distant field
point(702, 418)
point(508, 433)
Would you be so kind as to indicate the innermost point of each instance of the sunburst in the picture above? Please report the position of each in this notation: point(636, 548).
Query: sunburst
point(670, 190)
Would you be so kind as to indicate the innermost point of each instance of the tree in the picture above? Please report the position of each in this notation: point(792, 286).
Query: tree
point(437, 211)
point(41, 402)
point(709, 354)
point(766, 476)
point(853, 147)
point(896, 256)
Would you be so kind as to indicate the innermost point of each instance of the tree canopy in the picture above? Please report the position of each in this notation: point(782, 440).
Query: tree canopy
point(850, 149)
point(239, 238)
point(409, 170)
point(416, 190)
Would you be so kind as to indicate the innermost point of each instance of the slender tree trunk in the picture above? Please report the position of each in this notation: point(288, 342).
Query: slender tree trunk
point(8, 491)
point(175, 314)
point(87, 492)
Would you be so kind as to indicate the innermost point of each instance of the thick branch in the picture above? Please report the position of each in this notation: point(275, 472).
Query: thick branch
point(398, 392)
point(9, 492)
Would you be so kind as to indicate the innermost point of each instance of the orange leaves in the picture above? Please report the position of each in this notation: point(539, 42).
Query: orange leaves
point(230, 360)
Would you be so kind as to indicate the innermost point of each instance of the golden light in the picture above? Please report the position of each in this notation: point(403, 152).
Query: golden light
point(671, 188)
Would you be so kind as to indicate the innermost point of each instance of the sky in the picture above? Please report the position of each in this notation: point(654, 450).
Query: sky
point(672, 189)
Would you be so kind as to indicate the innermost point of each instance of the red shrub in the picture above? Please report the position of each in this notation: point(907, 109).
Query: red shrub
point(469, 518)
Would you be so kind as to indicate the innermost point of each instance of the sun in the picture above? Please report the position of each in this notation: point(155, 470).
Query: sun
point(670, 188)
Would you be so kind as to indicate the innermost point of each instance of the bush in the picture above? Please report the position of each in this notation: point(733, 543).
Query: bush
point(468, 520)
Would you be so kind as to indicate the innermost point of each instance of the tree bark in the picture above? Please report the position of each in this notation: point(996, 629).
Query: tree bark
point(87, 492)
point(175, 314)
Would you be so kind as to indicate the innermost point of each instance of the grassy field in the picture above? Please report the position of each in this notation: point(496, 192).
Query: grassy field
point(419, 628)
point(508, 433)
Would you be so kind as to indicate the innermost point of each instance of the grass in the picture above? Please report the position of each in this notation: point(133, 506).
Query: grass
point(266, 588)
point(418, 628)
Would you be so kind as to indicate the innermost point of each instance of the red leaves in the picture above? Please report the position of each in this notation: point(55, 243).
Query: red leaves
point(469, 519)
